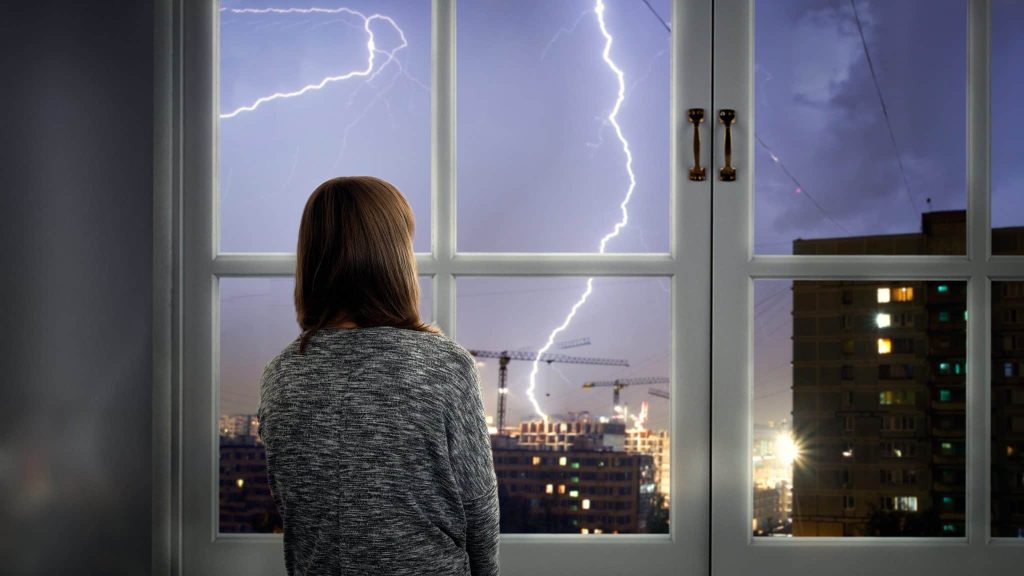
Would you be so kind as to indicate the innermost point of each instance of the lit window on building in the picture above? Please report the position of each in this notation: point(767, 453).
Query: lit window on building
point(240, 483)
point(584, 531)
point(586, 504)
point(1009, 369)
point(576, 465)
point(549, 489)
point(883, 320)
point(945, 395)
point(907, 503)
point(944, 367)
point(884, 345)
point(947, 448)
point(536, 461)
point(959, 367)
point(562, 461)
point(574, 493)
point(884, 295)
point(942, 288)
point(943, 316)
point(903, 294)
point(561, 488)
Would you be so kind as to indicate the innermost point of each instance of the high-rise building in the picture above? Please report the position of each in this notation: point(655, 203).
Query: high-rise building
point(246, 504)
point(655, 443)
point(879, 395)
point(576, 491)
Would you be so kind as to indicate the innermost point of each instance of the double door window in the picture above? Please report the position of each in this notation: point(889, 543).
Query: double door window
point(724, 265)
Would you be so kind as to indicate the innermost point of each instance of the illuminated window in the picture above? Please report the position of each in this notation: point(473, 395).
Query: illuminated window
point(584, 531)
point(908, 503)
point(945, 395)
point(575, 479)
point(884, 345)
point(240, 483)
point(586, 504)
point(947, 448)
point(958, 367)
point(944, 367)
point(883, 295)
point(576, 465)
point(885, 397)
point(536, 460)
point(562, 461)
point(883, 320)
point(903, 294)
point(549, 489)
point(574, 493)
point(943, 316)
point(561, 488)
point(942, 288)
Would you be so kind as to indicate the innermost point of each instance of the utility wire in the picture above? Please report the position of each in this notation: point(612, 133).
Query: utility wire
point(799, 186)
point(658, 16)
point(885, 111)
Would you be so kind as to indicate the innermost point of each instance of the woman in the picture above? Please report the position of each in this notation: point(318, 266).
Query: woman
point(377, 449)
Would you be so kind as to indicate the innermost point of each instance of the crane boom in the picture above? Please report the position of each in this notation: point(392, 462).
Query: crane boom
point(504, 356)
point(657, 392)
point(549, 358)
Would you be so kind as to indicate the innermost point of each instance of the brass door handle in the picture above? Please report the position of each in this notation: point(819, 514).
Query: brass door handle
point(727, 117)
point(696, 116)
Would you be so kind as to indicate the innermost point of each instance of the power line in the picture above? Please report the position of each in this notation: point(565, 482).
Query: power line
point(658, 16)
point(800, 188)
point(885, 111)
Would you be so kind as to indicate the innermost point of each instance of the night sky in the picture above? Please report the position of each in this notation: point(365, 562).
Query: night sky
point(540, 168)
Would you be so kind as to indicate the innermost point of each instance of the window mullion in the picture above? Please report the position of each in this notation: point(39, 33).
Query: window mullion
point(443, 161)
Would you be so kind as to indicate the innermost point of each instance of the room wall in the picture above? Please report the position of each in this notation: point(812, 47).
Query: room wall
point(76, 133)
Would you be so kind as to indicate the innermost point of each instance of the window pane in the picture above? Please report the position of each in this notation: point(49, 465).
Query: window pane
point(585, 449)
point(257, 320)
point(852, 438)
point(302, 100)
point(547, 126)
point(1008, 409)
point(1007, 127)
point(860, 127)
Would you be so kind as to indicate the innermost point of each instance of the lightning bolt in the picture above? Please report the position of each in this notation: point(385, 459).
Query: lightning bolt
point(370, 72)
point(599, 8)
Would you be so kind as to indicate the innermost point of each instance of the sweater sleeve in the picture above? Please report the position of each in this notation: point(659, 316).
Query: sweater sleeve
point(473, 464)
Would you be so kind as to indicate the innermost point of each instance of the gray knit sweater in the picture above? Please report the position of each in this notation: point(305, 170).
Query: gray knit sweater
point(378, 455)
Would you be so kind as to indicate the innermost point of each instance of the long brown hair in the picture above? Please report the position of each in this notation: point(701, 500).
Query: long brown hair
point(355, 260)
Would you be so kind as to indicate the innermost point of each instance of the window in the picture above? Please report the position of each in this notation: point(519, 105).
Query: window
point(945, 395)
point(884, 345)
point(883, 320)
point(903, 294)
point(849, 503)
point(942, 288)
point(943, 316)
point(884, 295)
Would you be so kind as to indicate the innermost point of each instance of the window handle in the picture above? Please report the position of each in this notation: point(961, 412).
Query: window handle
point(727, 117)
point(696, 116)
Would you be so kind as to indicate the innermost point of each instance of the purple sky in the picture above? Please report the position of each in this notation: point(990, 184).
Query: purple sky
point(534, 154)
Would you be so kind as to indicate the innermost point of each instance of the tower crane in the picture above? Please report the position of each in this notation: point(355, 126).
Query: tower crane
point(505, 356)
point(658, 392)
point(618, 385)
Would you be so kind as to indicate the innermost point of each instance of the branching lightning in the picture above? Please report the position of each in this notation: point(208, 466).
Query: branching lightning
point(599, 9)
point(370, 72)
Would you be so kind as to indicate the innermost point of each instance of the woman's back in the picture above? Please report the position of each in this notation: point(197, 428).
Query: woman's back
point(378, 455)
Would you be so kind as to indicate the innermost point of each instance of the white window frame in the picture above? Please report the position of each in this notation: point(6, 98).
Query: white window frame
point(189, 265)
point(735, 268)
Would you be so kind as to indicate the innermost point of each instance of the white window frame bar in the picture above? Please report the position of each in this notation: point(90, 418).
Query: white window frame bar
point(736, 267)
point(189, 267)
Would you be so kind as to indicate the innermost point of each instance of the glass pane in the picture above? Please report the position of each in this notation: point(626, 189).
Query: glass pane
point(859, 408)
point(551, 126)
point(257, 320)
point(1008, 409)
point(860, 127)
point(303, 100)
point(1007, 127)
point(584, 444)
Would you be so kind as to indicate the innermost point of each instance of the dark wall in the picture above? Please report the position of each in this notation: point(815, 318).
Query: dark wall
point(76, 93)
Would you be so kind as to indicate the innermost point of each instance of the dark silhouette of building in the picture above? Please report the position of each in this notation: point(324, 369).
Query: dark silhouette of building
point(577, 491)
point(246, 504)
point(879, 394)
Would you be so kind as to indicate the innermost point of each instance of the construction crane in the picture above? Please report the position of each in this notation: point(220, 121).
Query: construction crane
point(505, 356)
point(618, 385)
point(658, 392)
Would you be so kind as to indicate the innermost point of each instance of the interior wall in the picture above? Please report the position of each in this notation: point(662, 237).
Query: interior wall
point(76, 133)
